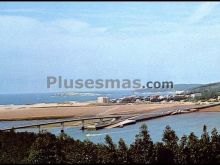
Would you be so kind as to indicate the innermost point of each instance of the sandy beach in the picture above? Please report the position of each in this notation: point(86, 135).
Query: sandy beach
point(85, 109)
point(211, 109)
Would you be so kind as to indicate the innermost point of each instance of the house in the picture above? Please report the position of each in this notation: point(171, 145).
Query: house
point(179, 92)
point(103, 100)
point(128, 99)
point(138, 101)
point(154, 98)
point(196, 95)
point(113, 100)
point(179, 97)
point(161, 97)
point(212, 100)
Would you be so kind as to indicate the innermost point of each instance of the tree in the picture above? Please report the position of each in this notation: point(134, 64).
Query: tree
point(15, 146)
point(162, 154)
point(63, 143)
point(170, 140)
point(205, 146)
point(141, 150)
point(193, 146)
point(73, 151)
point(90, 152)
point(122, 152)
point(215, 142)
point(183, 154)
point(44, 150)
point(111, 152)
point(47, 148)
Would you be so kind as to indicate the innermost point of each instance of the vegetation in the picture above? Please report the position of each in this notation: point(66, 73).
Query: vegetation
point(208, 91)
point(212, 87)
point(47, 148)
point(176, 87)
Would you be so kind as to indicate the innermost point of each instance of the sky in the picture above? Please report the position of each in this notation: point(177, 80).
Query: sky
point(151, 41)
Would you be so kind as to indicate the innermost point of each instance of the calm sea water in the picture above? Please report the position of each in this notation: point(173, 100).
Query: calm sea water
point(20, 99)
point(33, 98)
point(182, 124)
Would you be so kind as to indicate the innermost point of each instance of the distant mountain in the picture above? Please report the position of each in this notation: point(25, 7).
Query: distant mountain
point(184, 87)
point(177, 87)
point(208, 90)
point(212, 87)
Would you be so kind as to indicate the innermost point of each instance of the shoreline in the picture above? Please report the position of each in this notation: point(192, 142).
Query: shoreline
point(173, 109)
point(44, 111)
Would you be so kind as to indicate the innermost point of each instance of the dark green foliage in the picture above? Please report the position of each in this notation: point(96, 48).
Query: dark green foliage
point(122, 152)
point(207, 89)
point(14, 147)
point(46, 148)
point(162, 154)
point(171, 147)
point(110, 150)
point(183, 153)
point(141, 151)
point(215, 146)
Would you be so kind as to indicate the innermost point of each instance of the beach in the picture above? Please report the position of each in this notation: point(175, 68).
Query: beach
point(211, 109)
point(84, 109)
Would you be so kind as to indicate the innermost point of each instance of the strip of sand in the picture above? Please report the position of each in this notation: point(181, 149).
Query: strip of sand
point(211, 109)
point(87, 109)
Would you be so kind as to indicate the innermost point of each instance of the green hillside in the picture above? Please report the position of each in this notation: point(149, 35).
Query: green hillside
point(213, 87)
point(208, 91)
point(176, 87)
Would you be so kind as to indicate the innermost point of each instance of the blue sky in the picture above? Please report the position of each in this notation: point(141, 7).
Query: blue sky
point(145, 40)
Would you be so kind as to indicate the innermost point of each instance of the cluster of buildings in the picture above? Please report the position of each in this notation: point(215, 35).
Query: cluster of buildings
point(137, 99)
point(178, 96)
point(196, 95)
point(103, 100)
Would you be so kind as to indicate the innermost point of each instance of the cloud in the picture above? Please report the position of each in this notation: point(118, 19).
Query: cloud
point(204, 10)
point(67, 25)
point(77, 27)
point(21, 10)
point(139, 47)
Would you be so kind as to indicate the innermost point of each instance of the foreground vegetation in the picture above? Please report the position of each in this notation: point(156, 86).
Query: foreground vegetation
point(47, 148)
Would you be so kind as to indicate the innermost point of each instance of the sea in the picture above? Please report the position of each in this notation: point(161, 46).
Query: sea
point(60, 97)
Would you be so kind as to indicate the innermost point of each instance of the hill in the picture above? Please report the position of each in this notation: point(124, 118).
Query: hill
point(177, 87)
point(212, 87)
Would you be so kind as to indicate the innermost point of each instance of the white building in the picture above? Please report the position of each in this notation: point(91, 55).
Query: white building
point(103, 100)
point(161, 97)
point(219, 98)
point(179, 92)
point(195, 95)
